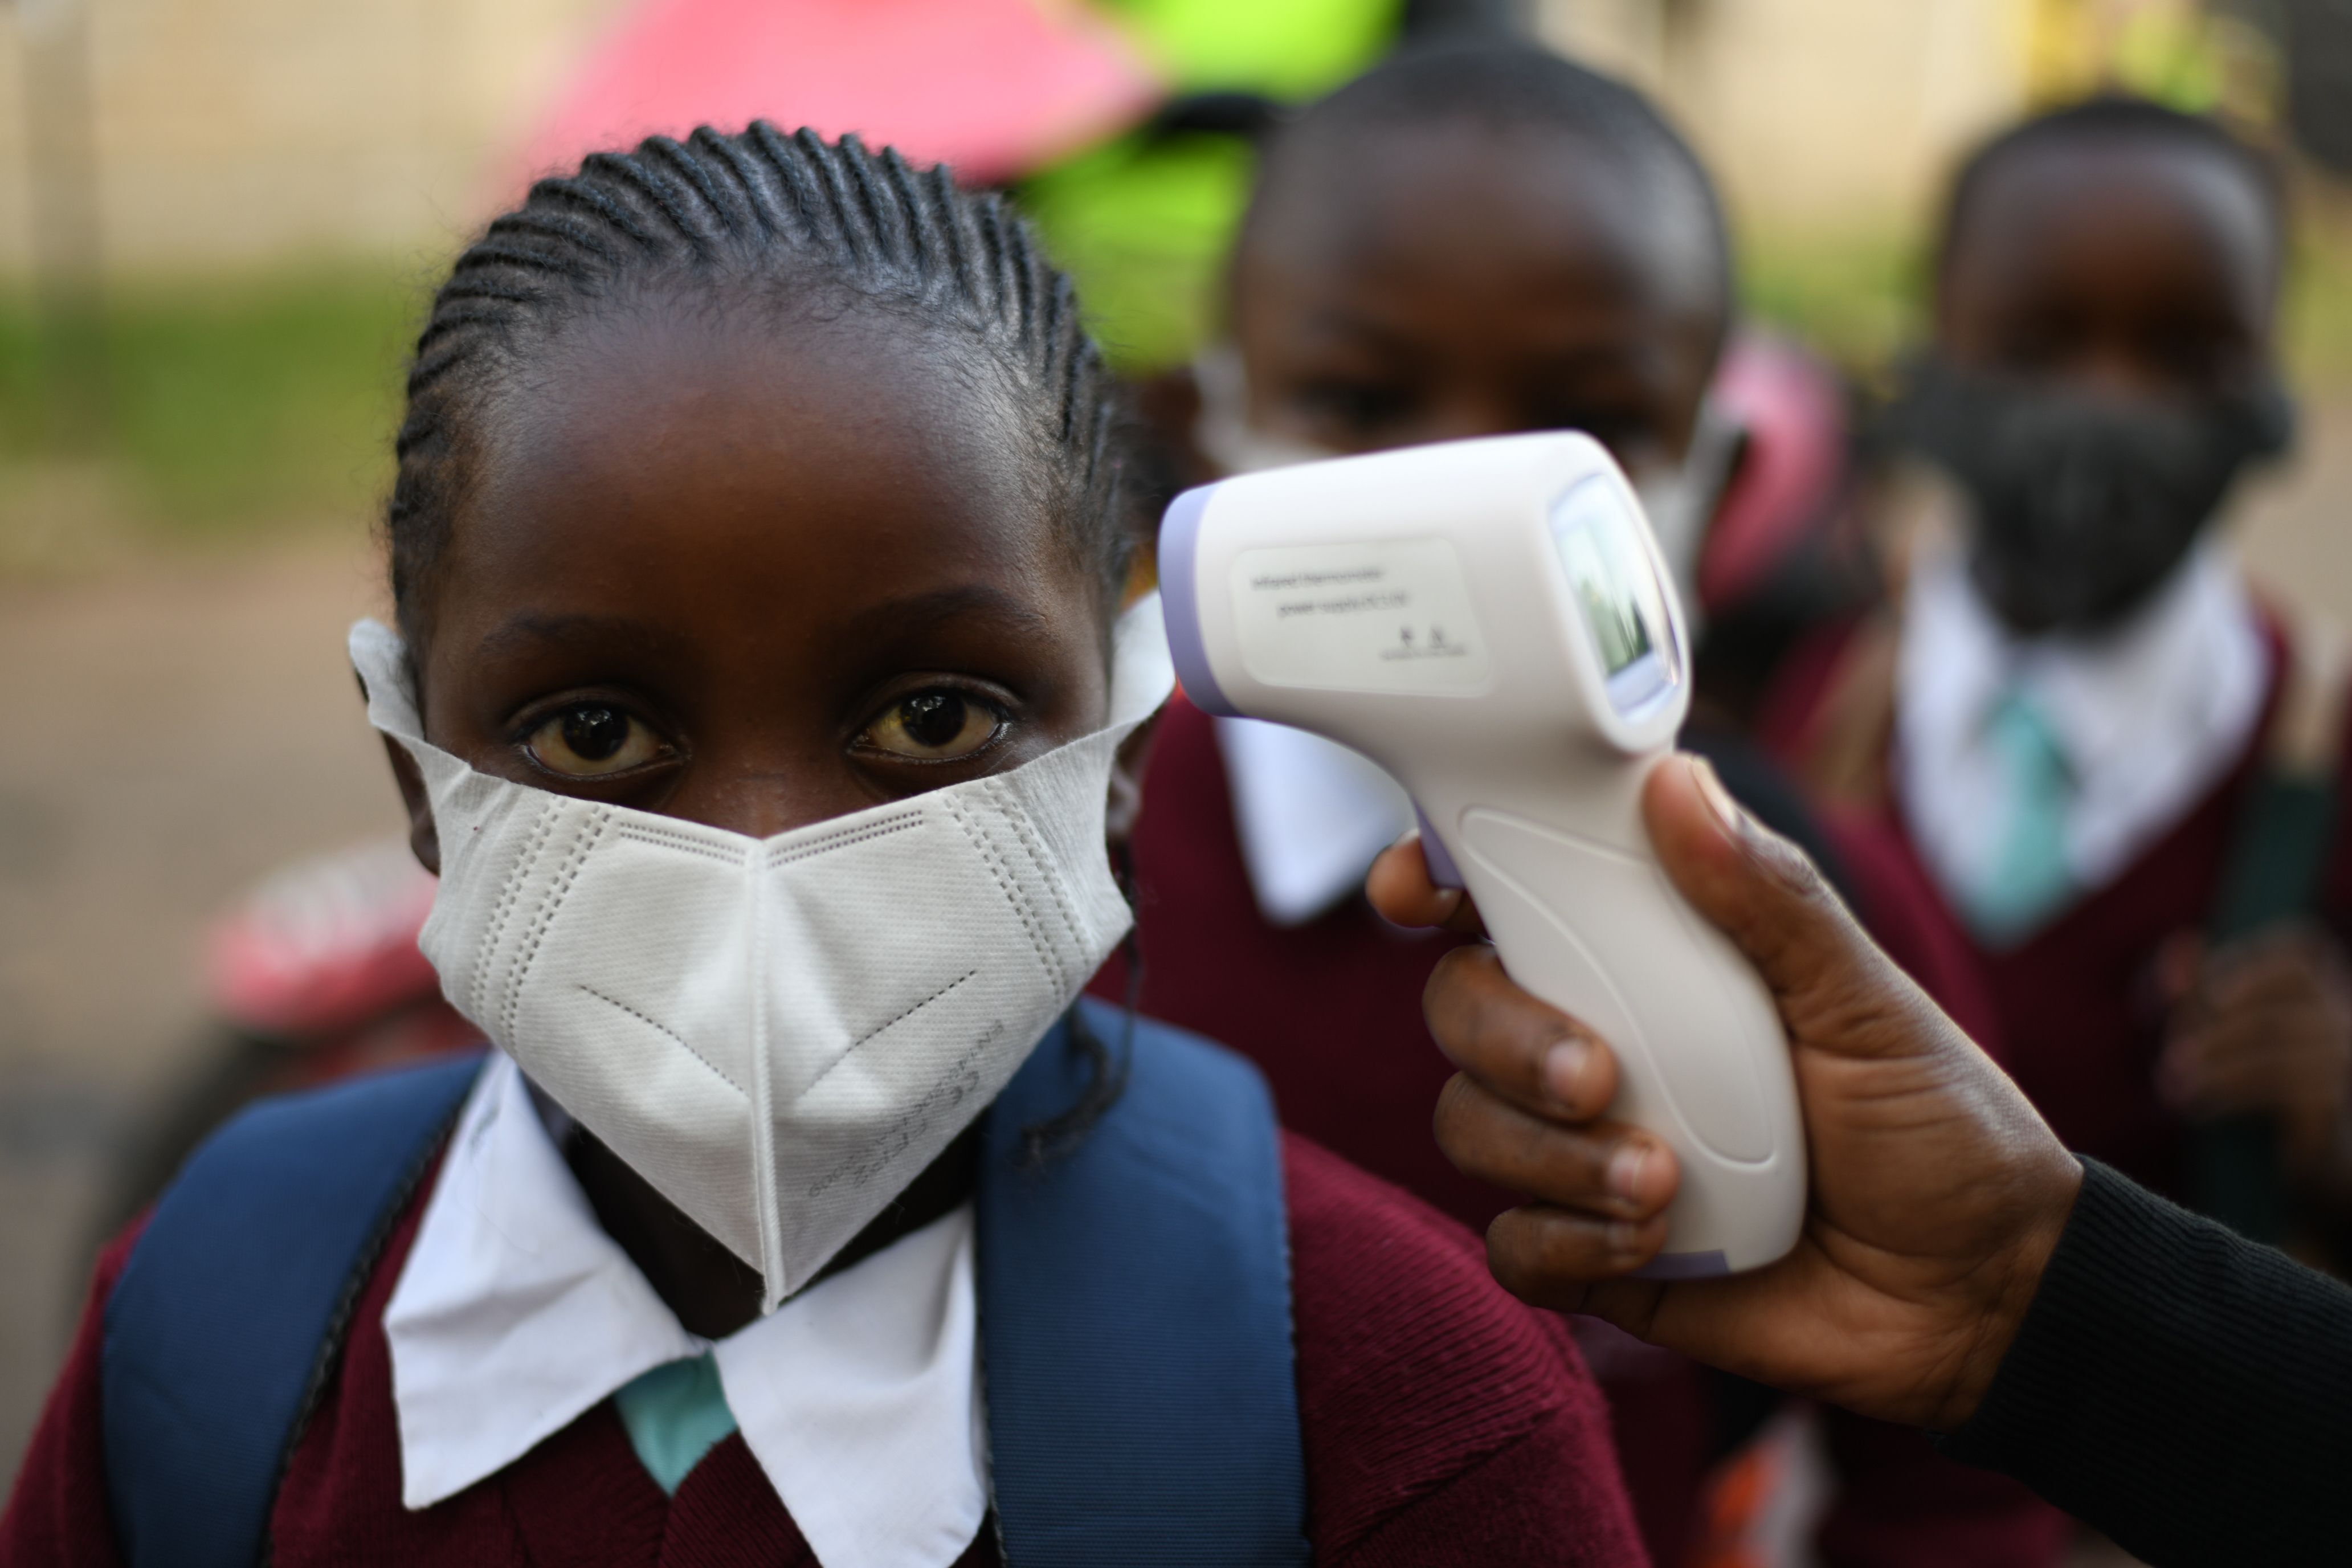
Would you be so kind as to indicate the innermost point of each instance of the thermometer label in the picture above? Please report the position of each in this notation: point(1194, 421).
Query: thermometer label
point(1392, 616)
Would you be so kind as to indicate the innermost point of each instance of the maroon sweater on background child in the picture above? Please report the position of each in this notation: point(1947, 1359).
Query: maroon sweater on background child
point(1444, 1424)
point(2080, 1011)
point(1330, 1011)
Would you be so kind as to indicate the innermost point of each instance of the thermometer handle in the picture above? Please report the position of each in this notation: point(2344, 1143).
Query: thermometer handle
point(1601, 933)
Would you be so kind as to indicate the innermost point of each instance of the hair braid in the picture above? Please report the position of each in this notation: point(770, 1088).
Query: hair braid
point(759, 215)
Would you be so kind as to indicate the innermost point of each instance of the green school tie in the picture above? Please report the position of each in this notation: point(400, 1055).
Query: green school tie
point(674, 1413)
point(2025, 881)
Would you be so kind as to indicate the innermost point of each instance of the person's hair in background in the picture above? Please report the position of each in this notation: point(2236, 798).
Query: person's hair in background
point(1594, 292)
point(792, 223)
point(2107, 277)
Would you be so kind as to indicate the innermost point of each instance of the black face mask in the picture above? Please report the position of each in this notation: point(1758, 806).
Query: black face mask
point(2084, 503)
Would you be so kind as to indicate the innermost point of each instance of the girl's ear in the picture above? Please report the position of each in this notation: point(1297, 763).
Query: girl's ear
point(1127, 783)
point(424, 839)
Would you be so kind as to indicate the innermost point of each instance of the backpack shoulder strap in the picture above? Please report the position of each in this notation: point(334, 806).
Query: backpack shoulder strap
point(1135, 1313)
point(2278, 845)
point(222, 1325)
point(2273, 870)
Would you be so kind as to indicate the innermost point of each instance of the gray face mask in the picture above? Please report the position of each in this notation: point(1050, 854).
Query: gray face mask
point(2083, 504)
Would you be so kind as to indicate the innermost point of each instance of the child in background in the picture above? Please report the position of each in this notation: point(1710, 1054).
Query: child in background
point(1471, 241)
point(760, 682)
point(2105, 754)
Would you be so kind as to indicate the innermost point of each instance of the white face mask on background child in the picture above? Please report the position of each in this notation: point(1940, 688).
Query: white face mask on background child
point(778, 1034)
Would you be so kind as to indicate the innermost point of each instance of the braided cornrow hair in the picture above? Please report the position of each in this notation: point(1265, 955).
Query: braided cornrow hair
point(783, 216)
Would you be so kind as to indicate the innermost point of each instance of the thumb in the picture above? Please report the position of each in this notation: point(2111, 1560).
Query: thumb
point(1763, 893)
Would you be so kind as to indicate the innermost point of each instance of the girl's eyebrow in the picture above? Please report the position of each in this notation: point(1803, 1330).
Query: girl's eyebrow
point(534, 630)
point(973, 602)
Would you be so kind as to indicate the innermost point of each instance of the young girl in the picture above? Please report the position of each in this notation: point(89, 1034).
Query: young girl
point(2115, 764)
point(758, 549)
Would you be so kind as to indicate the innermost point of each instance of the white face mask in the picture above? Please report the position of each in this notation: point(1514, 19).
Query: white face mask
point(778, 1034)
point(1222, 430)
point(1681, 500)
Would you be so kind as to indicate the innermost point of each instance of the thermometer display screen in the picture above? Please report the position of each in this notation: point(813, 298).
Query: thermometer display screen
point(1616, 588)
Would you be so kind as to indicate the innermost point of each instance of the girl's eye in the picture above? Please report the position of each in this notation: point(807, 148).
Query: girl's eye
point(935, 726)
point(591, 740)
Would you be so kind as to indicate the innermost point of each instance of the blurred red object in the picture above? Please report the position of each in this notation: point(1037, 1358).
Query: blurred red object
point(325, 946)
point(992, 87)
point(1792, 411)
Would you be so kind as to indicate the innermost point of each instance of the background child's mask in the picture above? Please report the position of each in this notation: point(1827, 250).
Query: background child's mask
point(2084, 503)
point(778, 1034)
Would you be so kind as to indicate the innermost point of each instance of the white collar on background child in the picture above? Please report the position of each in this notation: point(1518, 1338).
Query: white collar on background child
point(2146, 717)
point(1311, 815)
point(515, 1313)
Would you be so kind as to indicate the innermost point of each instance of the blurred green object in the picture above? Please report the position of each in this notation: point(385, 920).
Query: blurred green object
point(1289, 49)
point(1142, 222)
point(232, 404)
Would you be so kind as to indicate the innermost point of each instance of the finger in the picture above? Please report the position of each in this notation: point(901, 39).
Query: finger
point(2276, 1073)
point(1524, 1050)
point(2298, 1026)
point(1771, 901)
point(2180, 966)
point(1607, 1169)
point(1401, 891)
point(1549, 1257)
point(2290, 964)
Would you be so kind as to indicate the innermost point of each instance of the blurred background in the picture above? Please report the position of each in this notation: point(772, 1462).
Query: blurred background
point(217, 218)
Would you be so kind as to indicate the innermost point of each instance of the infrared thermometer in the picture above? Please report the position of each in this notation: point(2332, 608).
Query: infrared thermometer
point(1491, 622)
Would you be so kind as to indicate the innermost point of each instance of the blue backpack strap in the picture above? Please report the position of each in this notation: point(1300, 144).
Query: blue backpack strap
point(1135, 1314)
point(226, 1316)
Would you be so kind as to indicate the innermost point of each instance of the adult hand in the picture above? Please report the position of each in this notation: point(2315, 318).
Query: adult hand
point(1937, 1193)
point(2265, 1025)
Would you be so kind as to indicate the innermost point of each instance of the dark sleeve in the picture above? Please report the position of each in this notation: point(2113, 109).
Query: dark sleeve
point(57, 1511)
point(2185, 1391)
point(1443, 1422)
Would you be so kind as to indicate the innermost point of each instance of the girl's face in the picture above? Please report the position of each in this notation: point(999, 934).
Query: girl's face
point(753, 578)
point(1449, 282)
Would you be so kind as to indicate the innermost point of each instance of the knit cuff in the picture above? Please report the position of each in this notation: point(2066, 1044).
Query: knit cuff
point(2113, 1257)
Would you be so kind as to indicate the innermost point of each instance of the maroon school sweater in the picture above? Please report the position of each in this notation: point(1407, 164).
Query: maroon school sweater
point(2080, 1015)
point(1444, 1423)
point(1330, 1011)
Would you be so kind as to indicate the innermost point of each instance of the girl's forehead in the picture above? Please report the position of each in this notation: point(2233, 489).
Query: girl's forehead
point(703, 466)
point(2121, 204)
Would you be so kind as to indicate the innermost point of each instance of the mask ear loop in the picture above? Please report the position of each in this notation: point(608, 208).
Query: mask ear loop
point(1043, 1143)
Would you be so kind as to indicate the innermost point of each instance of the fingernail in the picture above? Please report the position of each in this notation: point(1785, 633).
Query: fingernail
point(1563, 1072)
point(1718, 799)
point(1625, 1170)
point(1624, 1236)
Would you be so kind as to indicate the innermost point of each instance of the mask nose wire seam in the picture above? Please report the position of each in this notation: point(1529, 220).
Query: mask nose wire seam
point(587, 835)
point(993, 859)
point(498, 981)
point(1071, 950)
point(773, 1286)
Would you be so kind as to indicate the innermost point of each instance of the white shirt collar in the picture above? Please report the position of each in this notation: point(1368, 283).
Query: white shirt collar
point(1310, 813)
point(2149, 715)
point(515, 1313)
